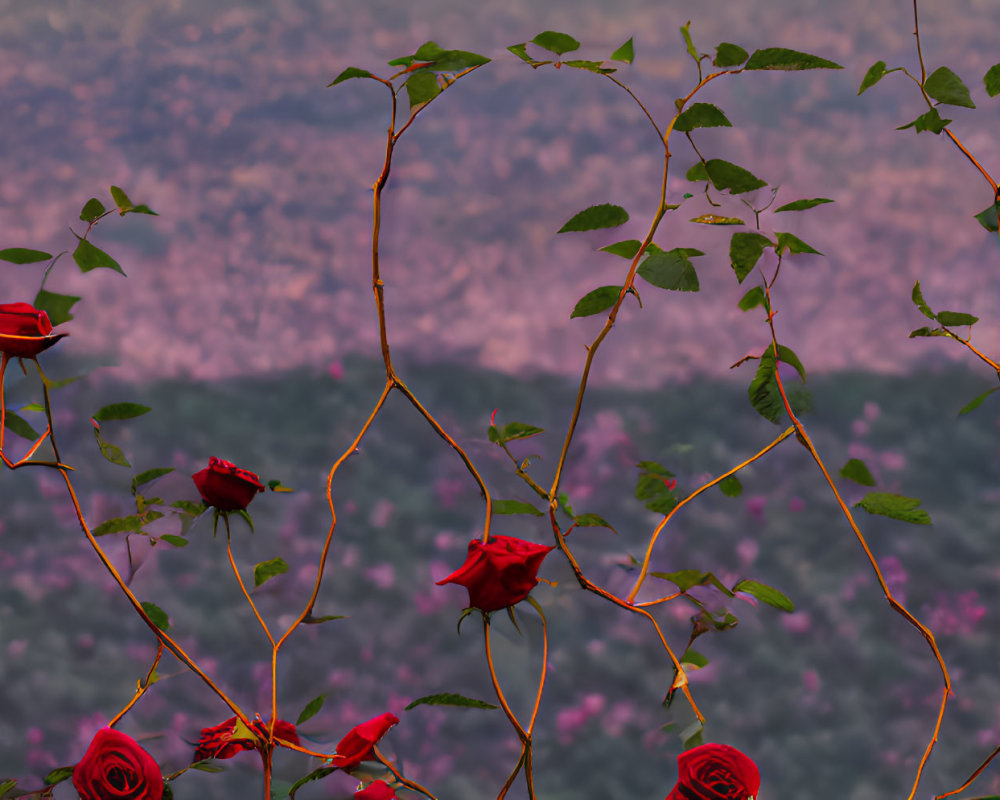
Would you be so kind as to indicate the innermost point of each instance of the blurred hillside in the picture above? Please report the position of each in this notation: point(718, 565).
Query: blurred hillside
point(839, 696)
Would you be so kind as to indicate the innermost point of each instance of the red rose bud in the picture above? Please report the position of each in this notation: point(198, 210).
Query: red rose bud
point(715, 772)
point(359, 744)
point(500, 572)
point(226, 486)
point(115, 767)
point(378, 790)
point(231, 737)
point(24, 330)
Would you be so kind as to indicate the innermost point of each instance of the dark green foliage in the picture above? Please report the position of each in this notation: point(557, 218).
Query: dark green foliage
point(596, 301)
point(728, 54)
point(856, 470)
point(894, 506)
point(672, 269)
point(449, 699)
point(701, 115)
point(931, 121)
point(946, 87)
point(556, 42)
point(606, 215)
point(23, 255)
point(784, 59)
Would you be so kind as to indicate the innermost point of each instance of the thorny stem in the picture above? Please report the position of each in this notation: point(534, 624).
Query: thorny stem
point(644, 569)
point(680, 680)
point(522, 734)
point(399, 777)
point(140, 687)
point(972, 777)
point(896, 606)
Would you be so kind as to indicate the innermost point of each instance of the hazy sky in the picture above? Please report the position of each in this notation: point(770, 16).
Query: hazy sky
point(216, 115)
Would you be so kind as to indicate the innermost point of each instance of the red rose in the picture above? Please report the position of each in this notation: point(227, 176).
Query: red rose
point(230, 737)
point(715, 772)
point(499, 573)
point(115, 767)
point(24, 330)
point(226, 486)
point(359, 744)
point(378, 790)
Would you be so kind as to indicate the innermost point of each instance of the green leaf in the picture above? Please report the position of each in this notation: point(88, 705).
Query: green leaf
point(931, 121)
point(992, 80)
point(918, 300)
point(317, 774)
point(974, 404)
point(514, 507)
point(874, 74)
point(57, 306)
point(946, 87)
point(784, 59)
point(895, 506)
point(697, 172)
point(745, 250)
point(793, 244)
point(311, 620)
point(802, 205)
point(764, 394)
point(59, 775)
point(672, 269)
point(713, 219)
point(311, 710)
point(7, 786)
point(347, 74)
point(625, 249)
point(121, 199)
point(132, 524)
point(766, 594)
point(121, 411)
point(266, 570)
point(92, 209)
point(688, 44)
point(725, 175)
point(605, 215)
point(592, 521)
point(728, 54)
point(422, 87)
point(22, 255)
point(156, 614)
point(701, 115)
point(624, 53)
point(755, 297)
point(988, 217)
point(448, 60)
point(187, 507)
point(655, 468)
point(556, 42)
point(449, 699)
point(927, 332)
point(176, 541)
point(596, 301)
point(590, 66)
point(88, 257)
point(688, 578)
point(20, 426)
point(856, 470)
point(521, 51)
point(694, 658)
point(111, 452)
point(518, 430)
point(950, 319)
point(731, 486)
point(148, 476)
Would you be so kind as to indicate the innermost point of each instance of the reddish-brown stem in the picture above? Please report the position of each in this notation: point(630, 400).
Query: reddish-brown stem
point(972, 777)
point(399, 777)
point(803, 437)
point(644, 569)
point(140, 687)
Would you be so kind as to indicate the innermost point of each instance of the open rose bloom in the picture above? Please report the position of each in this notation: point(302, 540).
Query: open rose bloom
point(226, 739)
point(25, 331)
point(226, 486)
point(500, 572)
point(115, 767)
point(715, 772)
